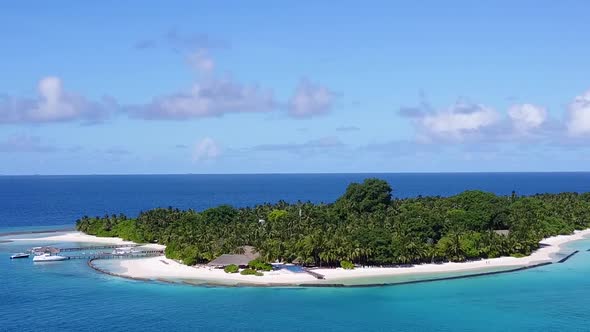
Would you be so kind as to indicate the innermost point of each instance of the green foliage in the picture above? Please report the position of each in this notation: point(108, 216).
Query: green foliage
point(233, 268)
point(371, 195)
point(364, 226)
point(346, 265)
point(277, 215)
point(259, 265)
point(127, 230)
point(253, 272)
point(449, 246)
point(222, 214)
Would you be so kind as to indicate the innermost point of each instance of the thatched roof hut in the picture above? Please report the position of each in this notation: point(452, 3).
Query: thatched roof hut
point(227, 259)
point(249, 253)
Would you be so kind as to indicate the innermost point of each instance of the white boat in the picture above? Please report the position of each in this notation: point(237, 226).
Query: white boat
point(122, 251)
point(19, 255)
point(49, 258)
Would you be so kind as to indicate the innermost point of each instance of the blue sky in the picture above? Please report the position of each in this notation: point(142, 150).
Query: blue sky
point(262, 87)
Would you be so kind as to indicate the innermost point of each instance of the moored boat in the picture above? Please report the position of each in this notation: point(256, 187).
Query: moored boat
point(122, 251)
point(49, 258)
point(19, 255)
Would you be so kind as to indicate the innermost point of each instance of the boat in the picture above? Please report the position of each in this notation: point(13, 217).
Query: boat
point(122, 251)
point(49, 258)
point(19, 255)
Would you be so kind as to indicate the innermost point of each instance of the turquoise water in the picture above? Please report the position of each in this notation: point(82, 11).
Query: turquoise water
point(70, 296)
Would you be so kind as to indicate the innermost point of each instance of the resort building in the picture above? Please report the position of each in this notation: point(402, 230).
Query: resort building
point(240, 260)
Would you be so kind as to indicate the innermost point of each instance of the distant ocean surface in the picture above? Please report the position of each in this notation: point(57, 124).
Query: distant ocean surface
point(69, 296)
point(60, 200)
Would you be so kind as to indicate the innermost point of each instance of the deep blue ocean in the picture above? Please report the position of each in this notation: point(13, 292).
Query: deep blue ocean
point(60, 200)
point(69, 296)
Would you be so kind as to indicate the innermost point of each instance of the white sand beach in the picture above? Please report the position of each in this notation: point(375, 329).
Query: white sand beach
point(72, 237)
point(550, 246)
point(164, 268)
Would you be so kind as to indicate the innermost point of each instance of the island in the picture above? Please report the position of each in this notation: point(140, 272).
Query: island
point(365, 232)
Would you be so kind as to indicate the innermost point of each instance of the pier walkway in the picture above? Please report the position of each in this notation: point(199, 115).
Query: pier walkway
point(314, 274)
point(96, 253)
point(99, 247)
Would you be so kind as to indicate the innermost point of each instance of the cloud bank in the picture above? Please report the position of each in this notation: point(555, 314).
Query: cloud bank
point(527, 117)
point(578, 123)
point(466, 122)
point(53, 104)
point(206, 99)
point(457, 121)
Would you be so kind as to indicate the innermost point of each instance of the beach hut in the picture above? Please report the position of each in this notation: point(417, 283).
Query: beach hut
point(242, 260)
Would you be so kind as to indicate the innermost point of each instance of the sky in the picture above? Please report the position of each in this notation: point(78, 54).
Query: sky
point(146, 87)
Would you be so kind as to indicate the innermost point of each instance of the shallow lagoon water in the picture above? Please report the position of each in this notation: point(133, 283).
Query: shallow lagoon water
point(71, 296)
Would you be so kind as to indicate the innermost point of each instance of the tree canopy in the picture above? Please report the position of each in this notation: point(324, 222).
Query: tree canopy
point(364, 226)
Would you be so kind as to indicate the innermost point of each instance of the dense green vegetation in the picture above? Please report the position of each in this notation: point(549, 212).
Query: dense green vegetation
point(347, 265)
point(259, 265)
point(365, 226)
point(232, 268)
point(252, 272)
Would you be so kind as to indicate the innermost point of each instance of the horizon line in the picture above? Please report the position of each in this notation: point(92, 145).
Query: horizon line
point(294, 173)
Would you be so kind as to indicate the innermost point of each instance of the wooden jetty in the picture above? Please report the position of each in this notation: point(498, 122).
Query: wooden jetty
point(314, 274)
point(99, 247)
point(146, 252)
point(54, 250)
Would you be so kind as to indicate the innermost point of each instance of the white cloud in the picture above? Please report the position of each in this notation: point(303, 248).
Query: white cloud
point(578, 123)
point(310, 99)
point(206, 149)
point(201, 61)
point(214, 97)
point(527, 117)
point(457, 121)
point(53, 104)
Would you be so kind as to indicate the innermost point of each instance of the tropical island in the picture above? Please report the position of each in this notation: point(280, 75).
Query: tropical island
point(366, 226)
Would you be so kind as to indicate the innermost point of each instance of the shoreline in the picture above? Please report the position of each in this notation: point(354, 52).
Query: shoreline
point(72, 229)
point(162, 269)
point(68, 236)
point(312, 285)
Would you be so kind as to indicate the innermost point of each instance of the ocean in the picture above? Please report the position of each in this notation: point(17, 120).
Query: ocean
point(60, 200)
point(69, 296)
